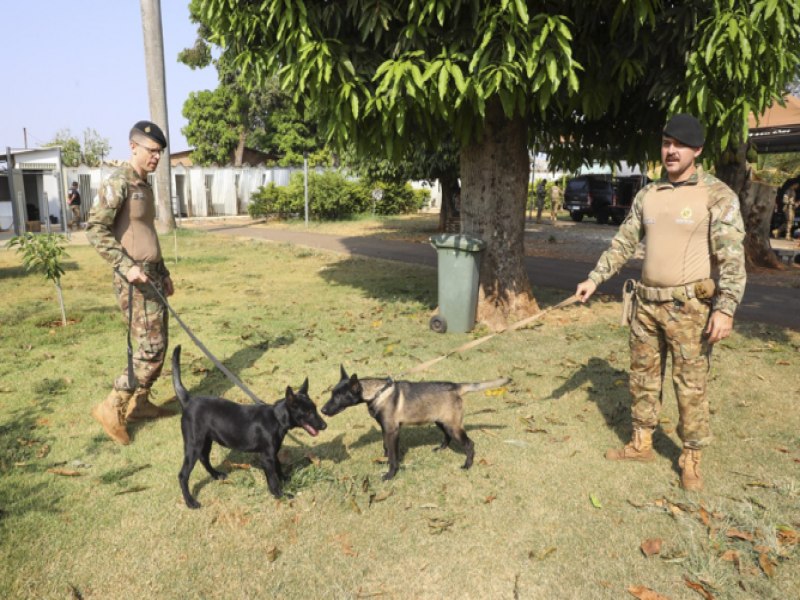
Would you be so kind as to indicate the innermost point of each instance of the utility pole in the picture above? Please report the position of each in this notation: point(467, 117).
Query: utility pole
point(25, 136)
point(157, 93)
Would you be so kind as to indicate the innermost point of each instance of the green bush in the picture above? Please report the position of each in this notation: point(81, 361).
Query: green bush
point(333, 196)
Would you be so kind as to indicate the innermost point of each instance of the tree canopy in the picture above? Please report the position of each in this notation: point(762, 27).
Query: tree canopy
point(94, 149)
point(579, 80)
point(231, 116)
point(593, 80)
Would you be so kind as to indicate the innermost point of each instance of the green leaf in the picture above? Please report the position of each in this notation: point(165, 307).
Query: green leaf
point(595, 501)
point(522, 11)
point(354, 105)
point(444, 78)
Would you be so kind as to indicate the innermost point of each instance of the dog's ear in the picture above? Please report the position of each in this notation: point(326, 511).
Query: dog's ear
point(355, 384)
point(289, 393)
point(304, 388)
point(342, 372)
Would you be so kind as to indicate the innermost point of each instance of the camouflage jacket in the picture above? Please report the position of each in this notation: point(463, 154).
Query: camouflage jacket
point(100, 229)
point(726, 234)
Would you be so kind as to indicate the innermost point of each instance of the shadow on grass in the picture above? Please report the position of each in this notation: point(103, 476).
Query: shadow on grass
point(613, 402)
point(415, 436)
point(293, 462)
point(23, 441)
point(385, 281)
point(215, 383)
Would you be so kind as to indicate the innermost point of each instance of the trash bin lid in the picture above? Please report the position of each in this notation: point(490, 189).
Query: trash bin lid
point(459, 241)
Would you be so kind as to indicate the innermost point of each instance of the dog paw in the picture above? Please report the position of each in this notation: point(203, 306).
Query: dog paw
point(193, 504)
point(388, 476)
point(220, 476)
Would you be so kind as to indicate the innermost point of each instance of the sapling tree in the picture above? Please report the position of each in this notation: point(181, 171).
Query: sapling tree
point(43, 254)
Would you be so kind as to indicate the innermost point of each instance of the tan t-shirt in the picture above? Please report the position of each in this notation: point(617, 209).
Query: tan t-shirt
point(676, 222)
point(134, 227)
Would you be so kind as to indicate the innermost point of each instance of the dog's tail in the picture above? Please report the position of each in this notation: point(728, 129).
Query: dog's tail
point(180, 391)
point(464, 388)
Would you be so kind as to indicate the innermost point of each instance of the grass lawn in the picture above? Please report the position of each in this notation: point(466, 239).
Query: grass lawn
point(540, 515)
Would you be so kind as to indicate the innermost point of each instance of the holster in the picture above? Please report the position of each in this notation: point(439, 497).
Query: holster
point(628, 301)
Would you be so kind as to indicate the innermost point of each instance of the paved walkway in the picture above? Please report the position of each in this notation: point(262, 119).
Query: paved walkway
point(763, 303)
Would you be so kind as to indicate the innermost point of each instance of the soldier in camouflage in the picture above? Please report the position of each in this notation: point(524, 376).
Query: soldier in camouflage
point(556, 196)
point(121, 227)
point(689, 221)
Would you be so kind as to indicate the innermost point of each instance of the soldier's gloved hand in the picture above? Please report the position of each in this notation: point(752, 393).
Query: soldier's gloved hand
point(136, 275)
point(585, 290)
point(169, 288)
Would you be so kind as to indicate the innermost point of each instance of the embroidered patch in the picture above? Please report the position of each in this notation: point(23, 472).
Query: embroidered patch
point(686, 213)
point(137, 196)
point(649, 221)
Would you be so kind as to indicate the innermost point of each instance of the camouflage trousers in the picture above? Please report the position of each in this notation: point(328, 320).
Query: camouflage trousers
point(149, 331)
point(677, 328)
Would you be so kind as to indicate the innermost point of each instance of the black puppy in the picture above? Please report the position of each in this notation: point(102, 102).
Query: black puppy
point(245, 427)
point(396, 403)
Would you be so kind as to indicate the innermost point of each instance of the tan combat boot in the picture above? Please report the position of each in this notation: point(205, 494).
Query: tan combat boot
point(140, 407)
point(111, 415)
point(640, 448)
point(689, 462)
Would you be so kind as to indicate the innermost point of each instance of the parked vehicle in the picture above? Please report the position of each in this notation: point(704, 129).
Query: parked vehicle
point(602, 197)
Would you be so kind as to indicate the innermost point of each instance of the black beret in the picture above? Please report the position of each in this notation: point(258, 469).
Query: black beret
point(149, 130)
point(686, 129)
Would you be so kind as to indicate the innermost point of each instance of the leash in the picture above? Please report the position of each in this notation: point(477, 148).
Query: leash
point(235, 380)
point(470, 345)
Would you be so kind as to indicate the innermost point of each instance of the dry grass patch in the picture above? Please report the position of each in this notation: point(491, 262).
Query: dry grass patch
point(540, 515)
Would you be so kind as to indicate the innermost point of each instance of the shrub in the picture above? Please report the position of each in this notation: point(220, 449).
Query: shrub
point(333, 196)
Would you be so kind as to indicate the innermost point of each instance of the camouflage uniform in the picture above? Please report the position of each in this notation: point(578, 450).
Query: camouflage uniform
point(540, 193)
point(108, 232)
point(677, 326)
point(556, 196)
point(788, 210)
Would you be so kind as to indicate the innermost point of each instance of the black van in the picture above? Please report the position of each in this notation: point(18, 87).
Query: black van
point(602, 197)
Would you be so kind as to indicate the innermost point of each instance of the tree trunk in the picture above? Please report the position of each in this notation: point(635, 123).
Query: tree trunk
point(757, 205)
point(157, 93)
point(238, 156)
point(446, 211)
point(494, 181)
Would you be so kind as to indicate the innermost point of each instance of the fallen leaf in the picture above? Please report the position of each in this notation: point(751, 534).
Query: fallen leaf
point(766, 565)
point(232, 465)
point(497, 391)
point(704, 516)
point(730, 556)
point(542, 554)
point(645, 593)
point(699, 588)
point(272, 553)
point(64, 472)
point(484, 462)
point(595, 501)
point(783, 363)
point(651, 546)
point(741, 535)
point(786, 536)
point(489, 499)
point(380, 497)
point(437, 525)
point(782, 449)
point(345, 545)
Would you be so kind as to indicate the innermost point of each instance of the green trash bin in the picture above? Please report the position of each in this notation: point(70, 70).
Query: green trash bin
point(459, 275)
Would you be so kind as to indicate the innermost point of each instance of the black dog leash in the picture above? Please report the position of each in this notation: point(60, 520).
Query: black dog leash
point(188, 331)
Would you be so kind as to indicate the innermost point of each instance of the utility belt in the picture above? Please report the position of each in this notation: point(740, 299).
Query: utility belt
point(633, 290)
point(152, 268)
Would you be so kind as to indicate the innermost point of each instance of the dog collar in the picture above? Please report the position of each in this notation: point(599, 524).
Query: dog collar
point(389, 383)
